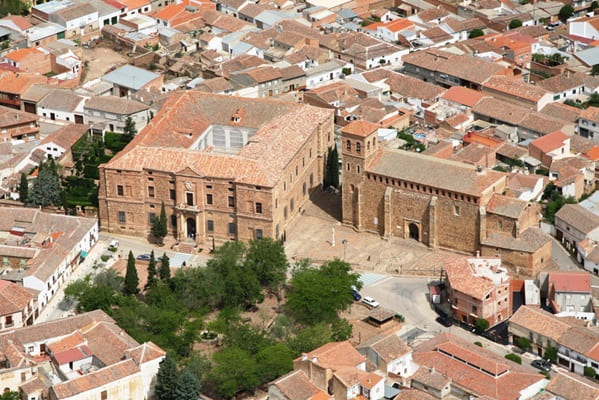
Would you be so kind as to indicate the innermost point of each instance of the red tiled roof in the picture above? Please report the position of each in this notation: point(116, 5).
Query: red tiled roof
point(473, 137)
point(570, 281)
point(398, 25)
point(70, 355)
point(592, 154)
point(360, 128)
point(550, 142)
point(462, 95)
point(19, 21)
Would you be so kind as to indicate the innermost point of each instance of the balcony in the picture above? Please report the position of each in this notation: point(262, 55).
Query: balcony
point(189, 207)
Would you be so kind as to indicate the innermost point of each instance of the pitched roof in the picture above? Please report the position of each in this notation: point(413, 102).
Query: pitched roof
point(116, 105)
point(19, 83)
point(95, 379)
point(398, 24)
point(433, 172)
point(570, 281)
point(11, 117)
point(360, 128)
point(130, 76)
point(408, 86)
point(19, 54)
point(515, 87)
point(62, 100)
point(570, 386)
point(13, 298)
point(335, 355)
point(462, 95)
point(66, 136)
point(540, 321)
point(467, 67)
point(388, 346)
point(562, 111)
point(531, 240)
point(19, 21)
point(296, 386)
point(550, 142)
point(462, 277)
point(464, 363)
point(578, 217)
point(281, 129)
point(507, 206)
point(561, 83)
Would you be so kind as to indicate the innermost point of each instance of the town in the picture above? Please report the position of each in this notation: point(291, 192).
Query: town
point(299, 200)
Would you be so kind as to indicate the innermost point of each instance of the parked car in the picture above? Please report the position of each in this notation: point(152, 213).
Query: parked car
point(444, 320)
point(143, 257)
point(542, 364)
point(357, 296)
point(369, 301)
point(114, 244)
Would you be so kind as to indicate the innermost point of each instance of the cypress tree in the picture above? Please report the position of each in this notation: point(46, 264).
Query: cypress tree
point(166, 380)
point(23, 188)
point(131, 278)
point(162, 219)
point(335, 167)
point(165, 268)
point(151, 271)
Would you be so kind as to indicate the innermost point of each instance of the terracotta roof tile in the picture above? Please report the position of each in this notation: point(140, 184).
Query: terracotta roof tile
point(360, 128)
point(541, 322)
point(13, 298)
point(570, 386)
point(570, 281)
point(335, 355)
point(296, 386)
point(462, 95)
point(578, 217)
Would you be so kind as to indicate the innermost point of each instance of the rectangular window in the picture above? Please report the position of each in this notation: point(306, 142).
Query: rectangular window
point(258, 233)
point(189, 198)
point(304, 189)
point(348, 145)
point(209, 198)
point(173, 194)
point(151, 217)
point(122, 218)
point(8, 320)
point(285, 212)
point(104, 395)
point(258, 208)
point(209, 225)
point(174, 221)
point(358, 147)
point(231, 201)
point(474, 309)
point(232, 228)
point(150, 191)
point(119, 190)
point(456, 210)
point(291, 205)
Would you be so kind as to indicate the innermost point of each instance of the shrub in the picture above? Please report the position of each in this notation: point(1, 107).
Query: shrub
point(551, 354)
point(523, 343)
point(105, 257)
point(590, 372)
point(479, 344)
point(515, 23)
point(481, 325)
point(514, 357)
point(474, 33)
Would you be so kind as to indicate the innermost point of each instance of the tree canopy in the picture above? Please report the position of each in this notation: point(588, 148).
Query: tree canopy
point(23, 188)
point(474, 33)
point(159, 225)
point(46, 187)
point(515, 23)
point(565, 13)
point(318, 294)
point(131, 278)
point(165, 268)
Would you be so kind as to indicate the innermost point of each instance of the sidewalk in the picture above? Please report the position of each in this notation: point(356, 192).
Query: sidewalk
point(52, 310)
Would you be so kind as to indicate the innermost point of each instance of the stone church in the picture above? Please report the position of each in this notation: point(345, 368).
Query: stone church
point(440, 203)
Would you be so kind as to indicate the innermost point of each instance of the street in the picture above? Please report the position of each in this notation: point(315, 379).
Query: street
point(408, 296)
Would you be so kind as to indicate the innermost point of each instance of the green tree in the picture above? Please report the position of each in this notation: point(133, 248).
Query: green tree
point(129, 130)
point(551, 354)
point(13, 7)
point(590, 372)
point(474, 33)
point(595, 70)
point(165, 268)
point(342, 329)
point(523, 343)
point(594, 5)
point(23, 188)
point(110, 279)
point(131, 278)
point(166, 380)
point(267, 260)
point(514, 357)
point(242, 286)
point(10, 395)
point(151, 271)
point(310, 338)
point(274, 361)
point(481, 325)
point(319, 294)
point(234, 370)
point(565, 13)
point(334, 167)
point(46, 187)
point(159, 228)
point(187, 387)
point(515, 23)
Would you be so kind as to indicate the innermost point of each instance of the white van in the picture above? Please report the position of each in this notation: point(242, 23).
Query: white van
point(114, 244)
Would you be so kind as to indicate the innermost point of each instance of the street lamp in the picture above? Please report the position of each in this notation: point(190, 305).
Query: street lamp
point(345, 242)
